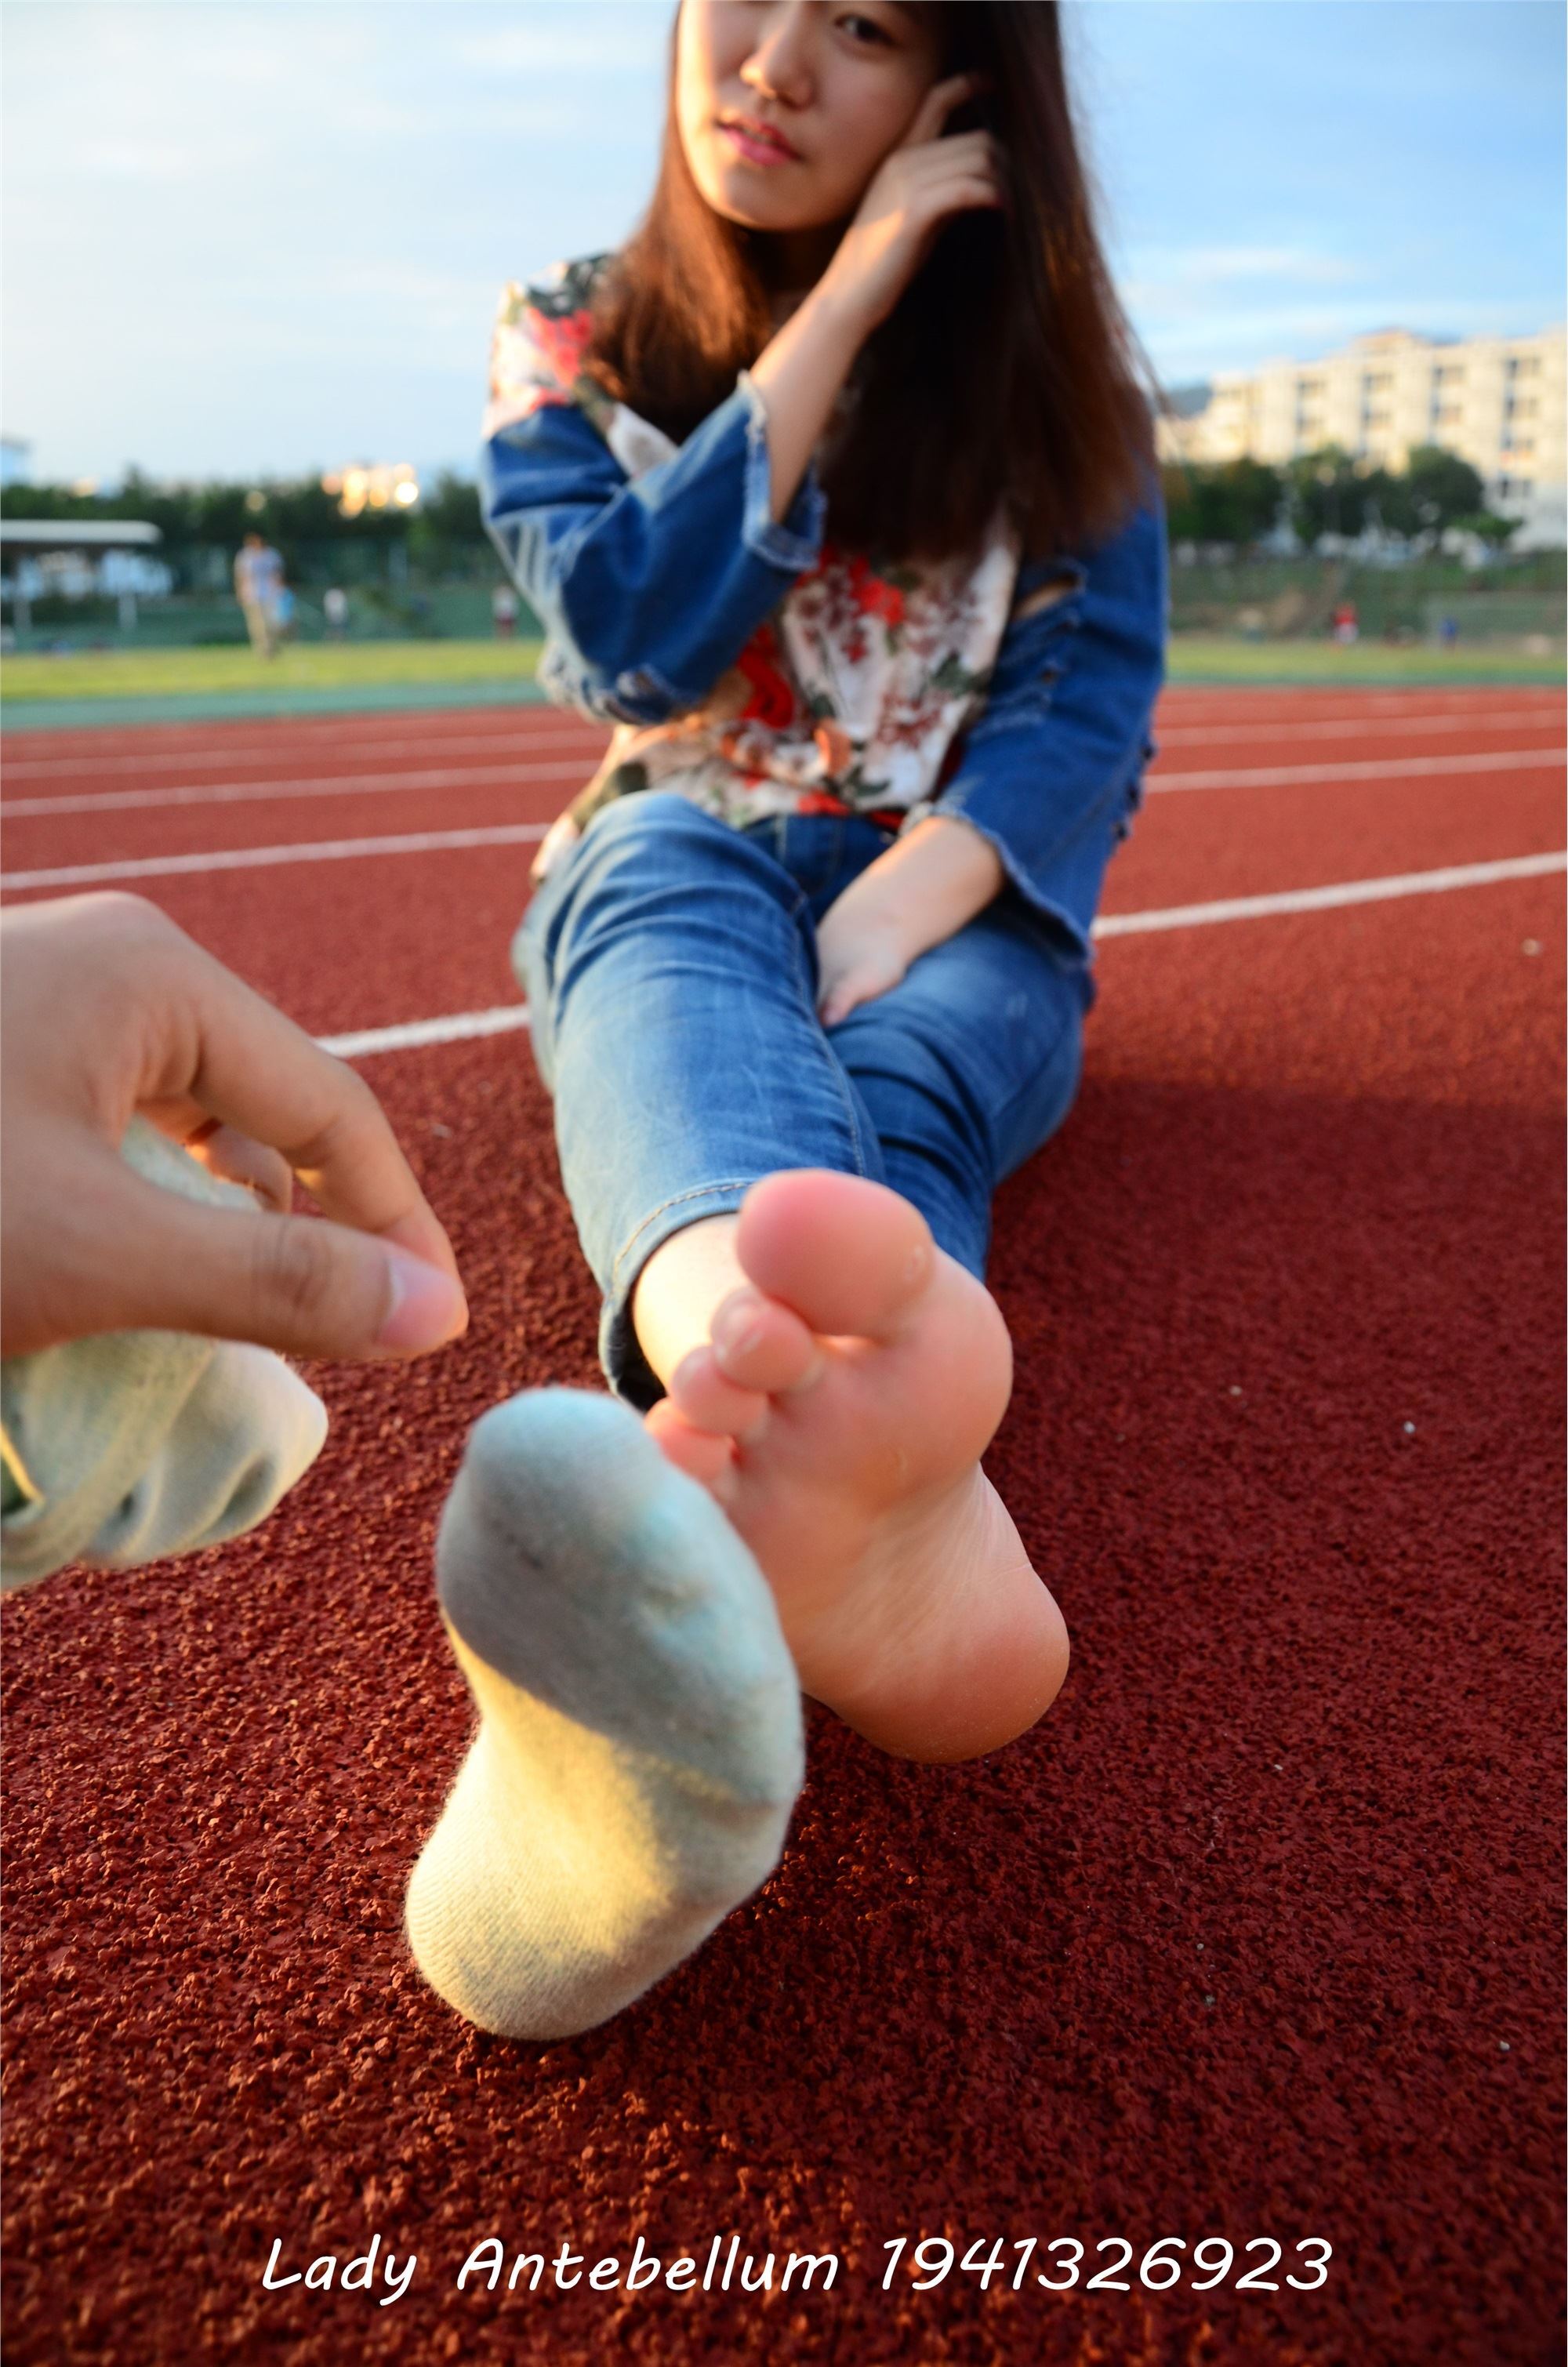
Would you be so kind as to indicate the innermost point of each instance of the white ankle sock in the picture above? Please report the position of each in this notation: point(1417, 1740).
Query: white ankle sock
point(129, 1445)
point(640, 1746)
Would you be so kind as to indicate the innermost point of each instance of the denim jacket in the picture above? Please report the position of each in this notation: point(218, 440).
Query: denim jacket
point(662, 577)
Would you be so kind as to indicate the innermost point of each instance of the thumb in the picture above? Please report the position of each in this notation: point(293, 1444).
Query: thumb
point(299, 1283)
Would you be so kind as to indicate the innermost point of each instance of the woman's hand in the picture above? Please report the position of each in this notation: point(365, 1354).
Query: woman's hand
point(924, 181)
point(926, 886)
point(921, 186)
point(861, 952)
point(109, 1009)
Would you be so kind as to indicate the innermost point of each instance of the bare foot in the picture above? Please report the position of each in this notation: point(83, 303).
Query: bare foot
point(837, 1411)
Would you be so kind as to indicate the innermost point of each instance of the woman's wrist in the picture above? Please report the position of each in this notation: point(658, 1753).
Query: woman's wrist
point(928, 884)
point(799, 374)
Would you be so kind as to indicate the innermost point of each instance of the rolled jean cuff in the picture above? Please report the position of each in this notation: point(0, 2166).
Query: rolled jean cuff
point(627, 1370)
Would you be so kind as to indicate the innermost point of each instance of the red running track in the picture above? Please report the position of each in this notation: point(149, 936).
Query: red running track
point(1255, 1937)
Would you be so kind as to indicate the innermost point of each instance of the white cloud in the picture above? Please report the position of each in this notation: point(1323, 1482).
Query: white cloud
point(1194, 268)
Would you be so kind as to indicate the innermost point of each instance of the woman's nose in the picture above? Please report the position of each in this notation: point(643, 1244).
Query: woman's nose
point(780, 65)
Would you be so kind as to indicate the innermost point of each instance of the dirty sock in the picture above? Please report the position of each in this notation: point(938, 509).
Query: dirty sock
point(640, 1743)
point(130, 1446)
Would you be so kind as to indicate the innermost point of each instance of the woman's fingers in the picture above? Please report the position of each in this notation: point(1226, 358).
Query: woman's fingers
point(846, 992)
point(938, 103)
point(948, 159)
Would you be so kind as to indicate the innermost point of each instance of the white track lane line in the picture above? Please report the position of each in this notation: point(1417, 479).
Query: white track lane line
point(331, 785)
point(502, 1017)
point(1196, 697)
point(258, 858)
point(1377, 768)
point(338, 850)
point(582, 735)
point(1183, 708)
point(458, 777)
point(456, 1029)
point(50, 769)
point(1197, 735)
point(1325, 899)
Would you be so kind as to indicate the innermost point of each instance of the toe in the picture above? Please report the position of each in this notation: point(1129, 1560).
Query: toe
point(759, 1345)
point(849, 1256)
point(697, 1453)
point(704, 1398)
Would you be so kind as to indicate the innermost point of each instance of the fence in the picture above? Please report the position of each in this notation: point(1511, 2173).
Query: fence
point(1268, 599)
point(1261, 599)
point(377, 612)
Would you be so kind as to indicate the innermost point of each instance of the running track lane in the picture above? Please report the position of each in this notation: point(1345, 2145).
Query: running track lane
point(1183, 706)
point(64, 845)
point(1249, 1937)
point(400, 937)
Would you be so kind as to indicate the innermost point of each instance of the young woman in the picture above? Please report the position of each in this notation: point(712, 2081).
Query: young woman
point(835, 493)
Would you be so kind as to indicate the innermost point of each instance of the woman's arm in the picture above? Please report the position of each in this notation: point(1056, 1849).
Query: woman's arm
point(1047, 777)
point(649, 586)
point(932, 880)
point(918, 187)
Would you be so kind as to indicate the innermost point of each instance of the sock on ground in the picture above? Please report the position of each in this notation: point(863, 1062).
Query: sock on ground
point(640, 1746)
point(130, 1446)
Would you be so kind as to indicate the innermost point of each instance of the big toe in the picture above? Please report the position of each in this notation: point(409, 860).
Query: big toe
point(850, 1256)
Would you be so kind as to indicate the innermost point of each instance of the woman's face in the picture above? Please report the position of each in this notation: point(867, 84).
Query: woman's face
point(786, 108)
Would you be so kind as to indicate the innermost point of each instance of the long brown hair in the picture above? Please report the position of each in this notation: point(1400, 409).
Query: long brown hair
point(1007, 373)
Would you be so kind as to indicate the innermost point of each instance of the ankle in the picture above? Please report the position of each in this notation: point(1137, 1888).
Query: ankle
point(675, 1295)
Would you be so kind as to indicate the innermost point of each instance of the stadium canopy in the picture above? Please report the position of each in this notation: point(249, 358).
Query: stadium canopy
point(67, 534)
point(58, 535)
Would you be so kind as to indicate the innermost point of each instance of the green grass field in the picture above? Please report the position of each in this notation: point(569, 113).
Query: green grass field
point(323, 672)
point(318, 666)
point(1215, 657)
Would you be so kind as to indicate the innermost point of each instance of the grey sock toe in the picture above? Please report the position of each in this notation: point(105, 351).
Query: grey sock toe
point(579, 1563)
point(641, 1746)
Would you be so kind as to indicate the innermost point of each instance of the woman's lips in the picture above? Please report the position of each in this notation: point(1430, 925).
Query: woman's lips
point(755, 147)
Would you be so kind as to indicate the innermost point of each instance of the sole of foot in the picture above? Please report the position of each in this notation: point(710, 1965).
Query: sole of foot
point(640, 1746)
point(838, 1413)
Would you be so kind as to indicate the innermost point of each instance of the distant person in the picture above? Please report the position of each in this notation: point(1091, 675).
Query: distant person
point(503, 611)
point(258, 579)
point(1447, 633)
point(1347, 626)
point(284, 614)
point(335, 607)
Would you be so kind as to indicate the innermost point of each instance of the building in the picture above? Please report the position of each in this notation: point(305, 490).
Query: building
point(1496, 402)
point(16, 455)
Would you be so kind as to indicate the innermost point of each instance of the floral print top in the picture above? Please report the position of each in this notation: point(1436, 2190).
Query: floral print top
point(851, 697)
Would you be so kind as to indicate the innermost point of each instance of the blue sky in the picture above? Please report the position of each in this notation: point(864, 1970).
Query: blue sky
point(254, 236)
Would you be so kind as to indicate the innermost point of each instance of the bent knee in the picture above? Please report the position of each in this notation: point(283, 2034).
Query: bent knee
point(655, 838)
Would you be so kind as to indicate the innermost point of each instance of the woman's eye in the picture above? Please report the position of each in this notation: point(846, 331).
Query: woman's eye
point(864, 26)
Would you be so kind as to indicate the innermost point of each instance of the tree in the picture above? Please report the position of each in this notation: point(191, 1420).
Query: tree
point(1233, 501)
point(1324, 494)
point(445, 535)
point(1485, 524)
point(1433, 490)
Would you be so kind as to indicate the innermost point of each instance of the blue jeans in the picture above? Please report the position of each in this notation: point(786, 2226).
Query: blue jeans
point(670, 964)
